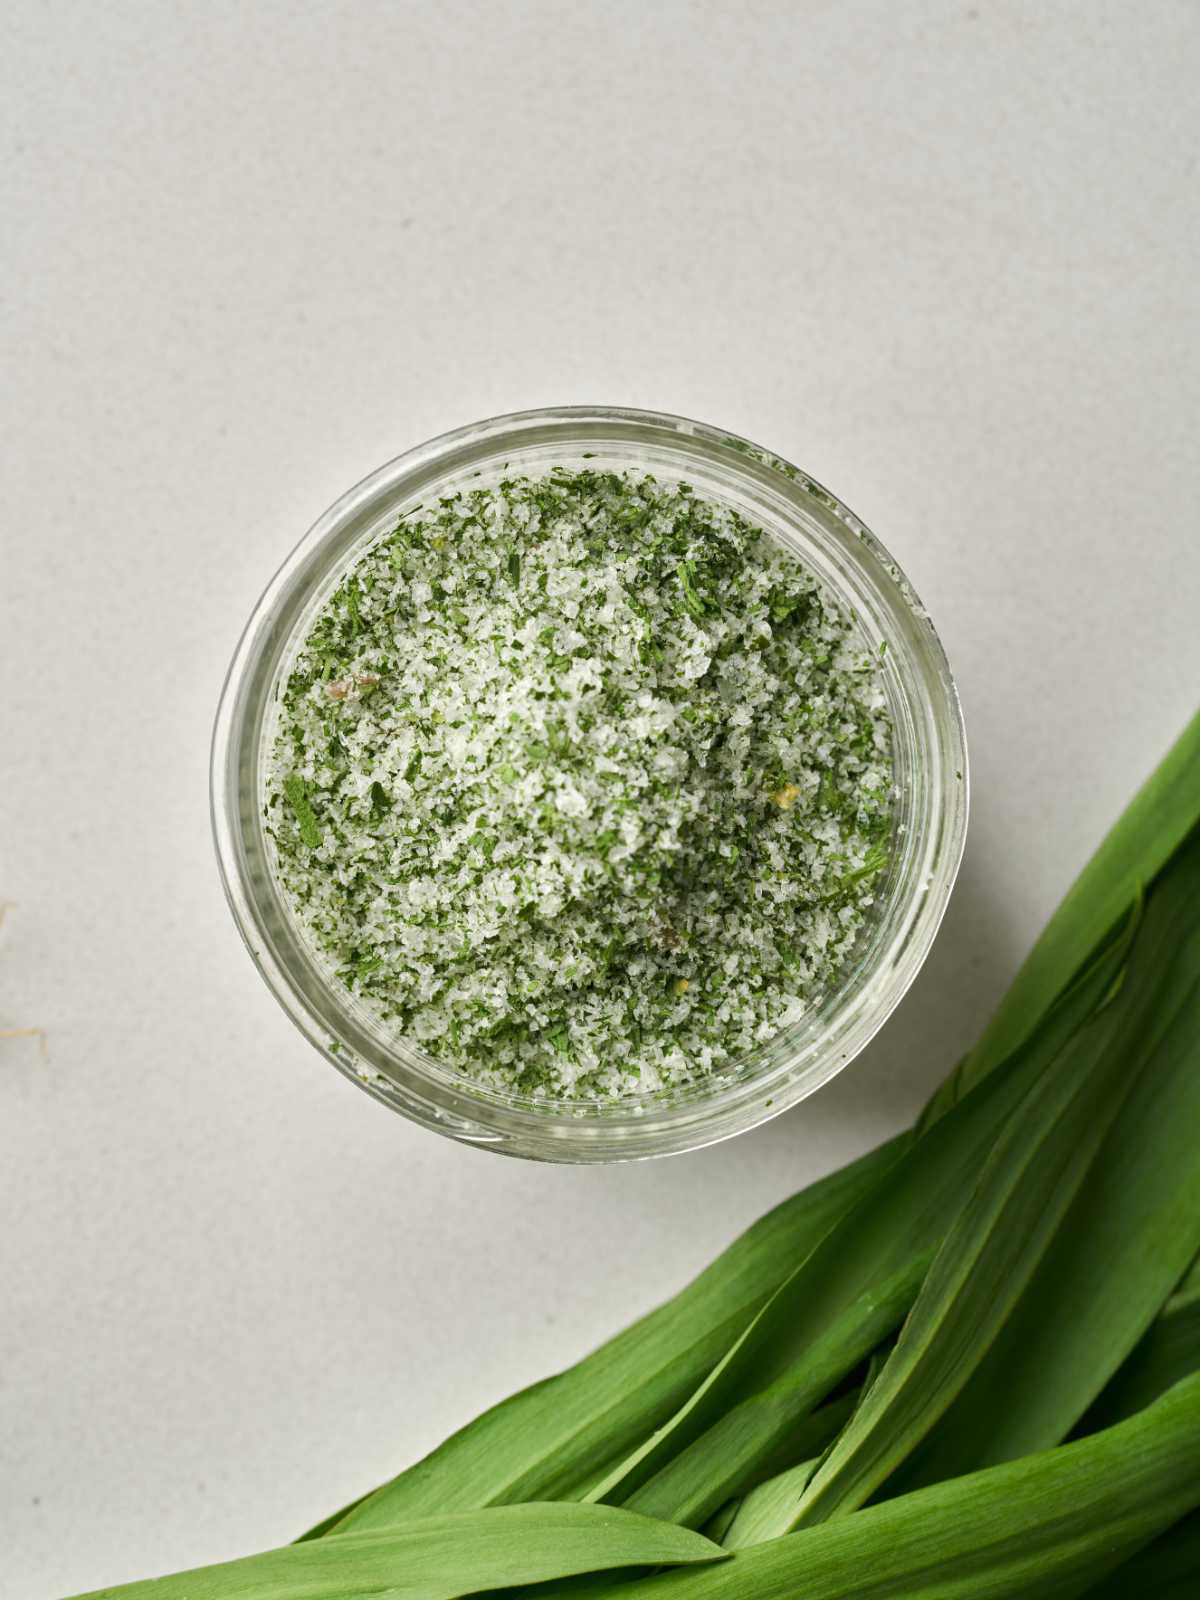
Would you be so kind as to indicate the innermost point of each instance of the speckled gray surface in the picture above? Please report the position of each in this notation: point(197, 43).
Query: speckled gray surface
point(941, 255)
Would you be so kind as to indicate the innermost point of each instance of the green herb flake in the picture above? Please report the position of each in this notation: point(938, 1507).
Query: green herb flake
point(310, 831)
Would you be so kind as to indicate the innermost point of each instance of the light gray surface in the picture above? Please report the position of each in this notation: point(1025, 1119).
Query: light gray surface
point(944, 255)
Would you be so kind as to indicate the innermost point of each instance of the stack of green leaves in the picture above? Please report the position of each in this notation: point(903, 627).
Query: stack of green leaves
point(968, 1364)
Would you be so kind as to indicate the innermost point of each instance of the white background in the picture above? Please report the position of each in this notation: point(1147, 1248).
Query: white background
point(941, 254)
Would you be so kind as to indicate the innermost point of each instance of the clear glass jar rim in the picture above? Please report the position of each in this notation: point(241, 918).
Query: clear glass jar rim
point(398, 1075)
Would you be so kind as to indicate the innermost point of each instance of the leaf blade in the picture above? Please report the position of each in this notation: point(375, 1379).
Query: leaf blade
point(824, 1307)
point(1036, 1167)
point(1167, 1352)
point(1127, 1235)
point(1145, 836)
point(439, 1558)
point(548, 1441)
point(1043, 1528)
point(1168, 1568)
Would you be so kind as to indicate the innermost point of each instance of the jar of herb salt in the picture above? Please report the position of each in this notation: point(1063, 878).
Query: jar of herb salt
point(589, 784)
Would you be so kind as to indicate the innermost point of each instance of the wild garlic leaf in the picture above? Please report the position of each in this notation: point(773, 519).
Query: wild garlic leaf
point(1150, 829)
point(777, 1426)
point(768, 1510)
point(1166, 1569)
point(1089, 987)
point(1168, 1351)
point(997, 1244)
point(853, 1289)
point(1046, 1527)
point(1126, 1236)
point(556, 1438)
point(439, 1558)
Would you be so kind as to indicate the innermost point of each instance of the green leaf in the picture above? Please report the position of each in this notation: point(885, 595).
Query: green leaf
point(719, 1524)
point(1033, 1172)
point(1129, 1232)
point(1150, 829)
point(556, 1439)
point(768, 1510)
point(439, 1558)
point(804, 1444)
point(1167, 1569)
point(1190, 1282)
point(808, 1441)
point(1169, 1351)
point(1061, 1021)
point(853, 1289)
point(1042, 1528)
point(772, 1428)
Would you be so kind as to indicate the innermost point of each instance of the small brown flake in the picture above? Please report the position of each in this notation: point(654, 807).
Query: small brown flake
point(27, 1033)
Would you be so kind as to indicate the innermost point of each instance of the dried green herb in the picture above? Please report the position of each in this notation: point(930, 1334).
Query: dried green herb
point(297, 798)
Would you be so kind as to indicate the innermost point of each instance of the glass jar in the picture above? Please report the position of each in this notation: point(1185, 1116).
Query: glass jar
point(929, 755)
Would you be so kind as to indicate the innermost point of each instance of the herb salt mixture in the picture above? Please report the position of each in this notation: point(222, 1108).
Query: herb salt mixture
point(581, 783)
